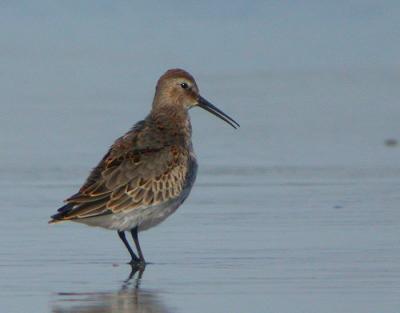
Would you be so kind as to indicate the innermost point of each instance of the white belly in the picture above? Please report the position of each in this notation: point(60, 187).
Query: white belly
point(144, 217)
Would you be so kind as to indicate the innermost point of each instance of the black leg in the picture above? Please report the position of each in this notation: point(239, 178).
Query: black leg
point(121, 235)
point(134, 233)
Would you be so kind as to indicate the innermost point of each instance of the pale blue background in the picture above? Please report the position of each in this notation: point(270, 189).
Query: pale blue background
point(103, 58)
point(297, 211)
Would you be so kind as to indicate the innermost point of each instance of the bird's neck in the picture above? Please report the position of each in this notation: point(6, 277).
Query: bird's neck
point(173, 122)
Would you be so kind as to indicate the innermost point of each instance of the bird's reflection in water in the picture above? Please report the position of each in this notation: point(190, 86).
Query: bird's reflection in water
point(129, 298)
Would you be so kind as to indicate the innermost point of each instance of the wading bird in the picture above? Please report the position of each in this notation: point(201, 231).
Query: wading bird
point(148, 172)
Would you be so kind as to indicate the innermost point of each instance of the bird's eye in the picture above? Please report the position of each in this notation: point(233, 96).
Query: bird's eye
point(184, 86)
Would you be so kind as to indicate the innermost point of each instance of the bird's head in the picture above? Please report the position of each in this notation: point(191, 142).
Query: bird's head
point(178, 88)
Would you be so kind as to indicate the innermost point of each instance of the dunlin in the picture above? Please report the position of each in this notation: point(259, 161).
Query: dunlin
point(148, 172)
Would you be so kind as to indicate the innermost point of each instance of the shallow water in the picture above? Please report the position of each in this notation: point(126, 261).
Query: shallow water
point(249, 239)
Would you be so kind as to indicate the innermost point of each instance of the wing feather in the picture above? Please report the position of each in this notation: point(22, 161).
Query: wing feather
point(128, 178)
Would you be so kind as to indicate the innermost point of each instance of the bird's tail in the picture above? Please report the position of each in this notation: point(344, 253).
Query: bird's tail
point(54, 221)
point(62, 213)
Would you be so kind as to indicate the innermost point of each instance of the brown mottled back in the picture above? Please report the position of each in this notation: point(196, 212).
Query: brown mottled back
point(135, 172)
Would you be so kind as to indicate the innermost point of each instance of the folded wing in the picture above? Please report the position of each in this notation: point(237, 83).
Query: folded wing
point(128, 178)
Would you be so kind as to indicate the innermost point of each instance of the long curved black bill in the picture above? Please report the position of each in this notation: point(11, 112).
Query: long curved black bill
point(203, 103)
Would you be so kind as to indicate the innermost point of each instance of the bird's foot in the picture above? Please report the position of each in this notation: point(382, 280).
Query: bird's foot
point(137, 263)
